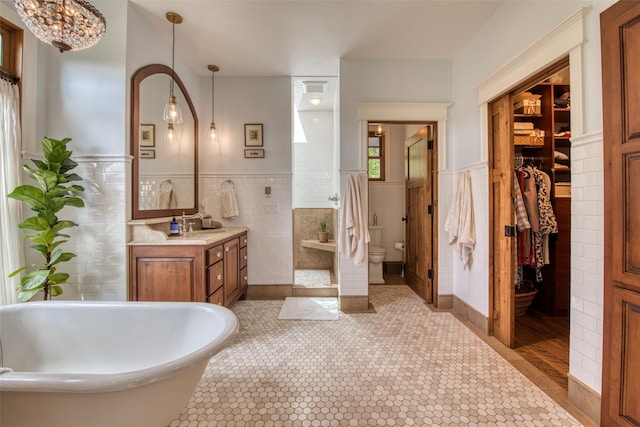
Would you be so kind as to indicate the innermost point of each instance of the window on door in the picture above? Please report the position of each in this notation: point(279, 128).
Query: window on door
point(375, 154)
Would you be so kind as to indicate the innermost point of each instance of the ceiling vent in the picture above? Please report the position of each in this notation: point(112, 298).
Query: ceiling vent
point(315, 86)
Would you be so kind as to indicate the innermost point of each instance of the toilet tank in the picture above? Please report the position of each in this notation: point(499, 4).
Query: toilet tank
point(375, 232)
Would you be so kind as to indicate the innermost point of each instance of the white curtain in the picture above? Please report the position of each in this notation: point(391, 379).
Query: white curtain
point(11, 241)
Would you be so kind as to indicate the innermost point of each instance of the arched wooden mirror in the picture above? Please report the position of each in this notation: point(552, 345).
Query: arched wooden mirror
point(165, 171)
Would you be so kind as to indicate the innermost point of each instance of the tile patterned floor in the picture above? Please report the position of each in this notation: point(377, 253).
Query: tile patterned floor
point(313, 278)
point(404, 365)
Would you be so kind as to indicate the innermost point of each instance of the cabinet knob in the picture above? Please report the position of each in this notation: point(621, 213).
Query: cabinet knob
point(219, 254)
point(246, 278)
point(227, 249)
point(245, 240)
point(245, 257)
point(219, 277)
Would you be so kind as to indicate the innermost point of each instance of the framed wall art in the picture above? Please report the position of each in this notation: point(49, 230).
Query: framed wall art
point(257, 153)
point(147, 137)
point(147, 154)
point(253, 135)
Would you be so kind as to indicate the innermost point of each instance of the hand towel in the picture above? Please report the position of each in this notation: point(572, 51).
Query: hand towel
point(354, 232)
point(460, 223)
point(166, 198)
point(228, 203)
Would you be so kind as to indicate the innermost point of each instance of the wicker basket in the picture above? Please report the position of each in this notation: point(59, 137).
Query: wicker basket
point(525, 293)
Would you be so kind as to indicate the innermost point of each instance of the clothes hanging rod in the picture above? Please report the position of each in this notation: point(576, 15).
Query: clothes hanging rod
point(8, 76)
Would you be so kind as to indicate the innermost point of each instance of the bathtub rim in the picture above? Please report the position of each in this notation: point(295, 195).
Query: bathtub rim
point(100, 383)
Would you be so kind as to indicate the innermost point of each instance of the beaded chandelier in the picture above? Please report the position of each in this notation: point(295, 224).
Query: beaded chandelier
point(66, 24)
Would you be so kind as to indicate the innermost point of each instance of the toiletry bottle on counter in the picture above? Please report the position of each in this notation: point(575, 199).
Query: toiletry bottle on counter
point(174, 230)
point(375, 219)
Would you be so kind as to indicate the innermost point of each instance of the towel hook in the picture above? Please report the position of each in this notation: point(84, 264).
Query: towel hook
point(228, 181)
point(166, 181)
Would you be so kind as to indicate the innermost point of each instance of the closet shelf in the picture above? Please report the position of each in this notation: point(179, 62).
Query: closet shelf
point(526, 115)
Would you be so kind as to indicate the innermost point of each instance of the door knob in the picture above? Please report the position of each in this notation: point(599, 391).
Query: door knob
point(405, 219)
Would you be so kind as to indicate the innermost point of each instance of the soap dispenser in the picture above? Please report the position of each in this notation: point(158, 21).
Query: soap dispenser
point(174, 229)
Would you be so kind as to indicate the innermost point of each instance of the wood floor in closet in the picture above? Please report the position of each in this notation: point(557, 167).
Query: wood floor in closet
point(543, 340)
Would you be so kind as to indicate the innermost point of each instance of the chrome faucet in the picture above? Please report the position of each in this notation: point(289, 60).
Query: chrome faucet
point(186, 217)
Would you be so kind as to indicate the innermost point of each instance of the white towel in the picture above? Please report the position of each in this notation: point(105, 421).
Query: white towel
point(228, 203)
point(354, 232)
point(167, 199)
point(460, 223)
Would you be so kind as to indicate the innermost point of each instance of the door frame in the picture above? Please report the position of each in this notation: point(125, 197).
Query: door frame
point(408, 113)
point(503, 271)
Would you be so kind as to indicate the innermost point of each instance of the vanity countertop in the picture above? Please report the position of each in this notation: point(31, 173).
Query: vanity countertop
point(198, 237)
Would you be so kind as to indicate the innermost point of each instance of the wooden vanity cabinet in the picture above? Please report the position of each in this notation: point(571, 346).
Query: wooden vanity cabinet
point(216, 273)
point(166, 273)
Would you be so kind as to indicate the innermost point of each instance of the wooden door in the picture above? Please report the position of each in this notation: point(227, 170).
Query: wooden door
point(419, 232)
point(620, 35)
point(502, 261)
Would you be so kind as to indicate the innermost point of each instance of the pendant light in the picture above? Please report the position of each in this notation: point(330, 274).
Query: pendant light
point(65, 24)
point(172, 113)
point(212, 128)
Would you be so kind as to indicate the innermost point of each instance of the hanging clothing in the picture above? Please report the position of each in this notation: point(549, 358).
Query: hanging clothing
point(460, 223)
point(524, 242)
point(354, 232)
point(547, 217)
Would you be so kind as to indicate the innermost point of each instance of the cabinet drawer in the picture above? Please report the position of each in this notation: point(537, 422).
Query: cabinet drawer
point(214, 254)
point(243, 257)
point(215, 277)
point(243, 240)
point(217, 297)
point(244, 278)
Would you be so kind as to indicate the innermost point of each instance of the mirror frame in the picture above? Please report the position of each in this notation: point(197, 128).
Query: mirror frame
point(136, 80)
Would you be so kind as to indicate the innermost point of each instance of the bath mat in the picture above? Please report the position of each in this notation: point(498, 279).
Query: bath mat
point(299, 308)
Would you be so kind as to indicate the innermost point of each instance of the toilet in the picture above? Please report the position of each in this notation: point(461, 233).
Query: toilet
point(376, 255)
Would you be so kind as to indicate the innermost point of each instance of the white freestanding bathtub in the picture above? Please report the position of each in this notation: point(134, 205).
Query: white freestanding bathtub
point(105, 364)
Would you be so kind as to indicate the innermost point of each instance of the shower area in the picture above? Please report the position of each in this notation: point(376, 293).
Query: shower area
point(316, 183)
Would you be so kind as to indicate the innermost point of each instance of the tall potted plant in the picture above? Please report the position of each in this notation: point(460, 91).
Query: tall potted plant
point(56, 191)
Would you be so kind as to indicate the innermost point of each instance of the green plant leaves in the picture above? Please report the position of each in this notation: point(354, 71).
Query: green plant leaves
point(35, 279)
point(30, 195)
point(53, 176)
point(35, 223)
point(59, 256)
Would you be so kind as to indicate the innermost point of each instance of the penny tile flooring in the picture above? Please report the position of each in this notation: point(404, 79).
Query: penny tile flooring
point(404, 365)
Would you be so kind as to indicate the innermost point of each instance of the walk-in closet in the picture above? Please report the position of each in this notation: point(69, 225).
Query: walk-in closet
point(542, 200)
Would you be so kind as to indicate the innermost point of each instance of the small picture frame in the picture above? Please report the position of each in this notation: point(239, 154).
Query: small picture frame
point(253, 135)
point(147, 136)
point(147, 154)
point(256, 153)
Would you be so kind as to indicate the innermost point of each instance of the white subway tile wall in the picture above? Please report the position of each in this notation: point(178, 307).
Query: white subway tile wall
point(466, 282)
point(314, 168)
point(99, 271)
point(269, 220)
point(445, 253)
point(587, 259)
point(150, 189)
point(387, 202)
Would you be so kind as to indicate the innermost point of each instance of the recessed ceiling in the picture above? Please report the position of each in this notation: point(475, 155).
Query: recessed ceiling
point(308, 37)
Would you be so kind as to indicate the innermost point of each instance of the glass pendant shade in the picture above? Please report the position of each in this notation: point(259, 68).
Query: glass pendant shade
point(172, 112)
point(69, 25)
point(212, 131)
point(212, 127)
point(170, 133)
